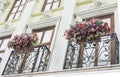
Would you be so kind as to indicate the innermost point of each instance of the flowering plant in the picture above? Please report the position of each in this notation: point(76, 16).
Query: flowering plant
point(22, 41)
point(87, 31)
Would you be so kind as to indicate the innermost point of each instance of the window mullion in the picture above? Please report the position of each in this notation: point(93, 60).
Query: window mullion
point(52, 4)
point(51, 37)
point(17, 9)
point(1, 43)
point(42, 37)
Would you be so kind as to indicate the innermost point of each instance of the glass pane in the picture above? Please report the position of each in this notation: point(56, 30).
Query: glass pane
point(48, 1)
point(39, 36)
point(56, 0)
point(17, 3)
point(47, 36)
point(0, 42)
point(17, 15)
point(23, 2)
point(55, 5)
point(20, 8)
point(11, 17)
point(4, 44)
point(47, 7)
point(107, 20)
point(14, 10)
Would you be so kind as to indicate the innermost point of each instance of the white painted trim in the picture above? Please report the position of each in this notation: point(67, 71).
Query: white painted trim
point(44, 23)
point(69, 71)
point(6, 32)
point(103, 10)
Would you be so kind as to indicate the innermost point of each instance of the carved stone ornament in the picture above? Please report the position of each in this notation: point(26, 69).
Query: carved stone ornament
point(47, 14)
point(98, 3)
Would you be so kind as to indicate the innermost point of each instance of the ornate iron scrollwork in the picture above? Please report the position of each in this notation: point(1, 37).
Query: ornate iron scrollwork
point(89, 53)
point(36, 61)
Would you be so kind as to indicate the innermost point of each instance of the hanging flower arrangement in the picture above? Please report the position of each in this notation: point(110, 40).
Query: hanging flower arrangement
point(87, 31)
point(24, 42)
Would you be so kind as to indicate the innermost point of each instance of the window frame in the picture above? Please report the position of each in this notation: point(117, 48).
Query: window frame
point(45, 3)
point(111, 16)
point(17, 11)
point(44, 30)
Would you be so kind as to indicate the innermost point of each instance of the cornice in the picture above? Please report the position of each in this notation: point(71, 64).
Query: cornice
point(43, 23)
point(106, 9)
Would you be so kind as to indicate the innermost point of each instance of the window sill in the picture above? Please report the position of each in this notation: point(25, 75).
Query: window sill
point(4, 22)
point(53, 10)
point(84, 2)
point(70, 71)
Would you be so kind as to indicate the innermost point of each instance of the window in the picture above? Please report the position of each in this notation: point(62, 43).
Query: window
point(45, 36)
point(3, 43)
point(107, 18)
point(51, 4)
point(16, 10)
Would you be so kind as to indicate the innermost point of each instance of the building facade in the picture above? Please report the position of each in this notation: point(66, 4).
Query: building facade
point(53, 53)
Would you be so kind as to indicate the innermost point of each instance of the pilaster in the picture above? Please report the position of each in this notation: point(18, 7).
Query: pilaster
point(21, 26)
point(60, 47)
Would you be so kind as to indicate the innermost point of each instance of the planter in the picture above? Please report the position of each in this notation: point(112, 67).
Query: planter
point(23, 50)
point(87, 31)
point(83, 40)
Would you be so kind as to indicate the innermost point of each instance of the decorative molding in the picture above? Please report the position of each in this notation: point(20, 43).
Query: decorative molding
point(37, 14)
point(53, 10)
point(44, 23)
point(4, 4)
point(47, 14)
point(98, 3)
point(68, 72)
point(103, 10)
point(84, 2)
point(6, 32)
point(15, 20)
point(1, 6)
point(8, 24)
point(57, 9)
point(3, 23)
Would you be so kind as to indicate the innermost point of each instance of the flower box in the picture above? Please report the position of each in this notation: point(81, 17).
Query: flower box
point(23, 43)
point(87, 31)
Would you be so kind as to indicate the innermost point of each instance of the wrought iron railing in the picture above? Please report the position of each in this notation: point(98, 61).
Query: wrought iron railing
point(36, 61)
point(90, 54)
point(0, 59)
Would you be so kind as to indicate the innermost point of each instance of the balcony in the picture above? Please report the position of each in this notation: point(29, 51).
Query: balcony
point(91, 54)
point(35, 61)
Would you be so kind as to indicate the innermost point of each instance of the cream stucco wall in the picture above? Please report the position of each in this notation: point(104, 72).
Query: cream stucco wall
point(37, 14)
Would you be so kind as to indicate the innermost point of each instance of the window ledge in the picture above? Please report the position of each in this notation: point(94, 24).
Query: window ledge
point(4, 22)
point(70, 71)
point(53, 10)
point(84, 2)
point(106, 9)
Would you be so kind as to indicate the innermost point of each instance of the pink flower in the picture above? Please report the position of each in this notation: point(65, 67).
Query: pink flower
point(25, 39)
point(94, 20)
point(86, 30)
